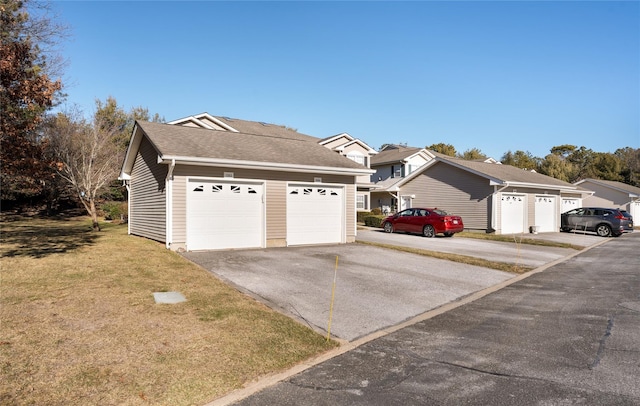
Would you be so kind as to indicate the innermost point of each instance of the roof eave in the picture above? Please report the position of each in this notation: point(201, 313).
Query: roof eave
point(129, 158)
point(542, 186)
point(269, 166)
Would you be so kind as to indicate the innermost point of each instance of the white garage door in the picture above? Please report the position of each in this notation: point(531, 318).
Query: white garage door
point(222, 214)
point(634, 210)
point(512, 218)
point(315, 214)
point(545, 213)
point(569, 203)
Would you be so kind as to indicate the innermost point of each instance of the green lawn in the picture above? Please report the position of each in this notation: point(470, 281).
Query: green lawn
point(79, 324)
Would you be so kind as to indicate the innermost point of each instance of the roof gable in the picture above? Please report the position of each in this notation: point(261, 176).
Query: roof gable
point(343, 141)
point(203, 120)
point(336, 137)
point(633, 191)
point(395, 153)
point(501, 175)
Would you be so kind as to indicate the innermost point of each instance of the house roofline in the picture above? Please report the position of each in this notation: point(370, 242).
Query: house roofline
point(269, 166)
point(492, 181)
point(597, 181)
point(370, 150)
point(335, 137)
point(406, 159)
point(204, 125)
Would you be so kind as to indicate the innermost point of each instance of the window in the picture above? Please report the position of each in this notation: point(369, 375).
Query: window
point(396, 171)
point(357, 157)
point(361, 202)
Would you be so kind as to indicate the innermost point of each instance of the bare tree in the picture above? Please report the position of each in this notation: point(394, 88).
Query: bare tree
point(87, 156)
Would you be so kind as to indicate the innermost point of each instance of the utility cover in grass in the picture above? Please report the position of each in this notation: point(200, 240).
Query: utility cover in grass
point(169, 297)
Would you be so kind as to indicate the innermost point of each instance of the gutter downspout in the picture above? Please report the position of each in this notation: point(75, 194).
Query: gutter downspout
point(169, 204)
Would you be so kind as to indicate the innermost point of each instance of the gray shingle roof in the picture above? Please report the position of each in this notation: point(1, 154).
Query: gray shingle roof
point(616, 185)
point(393, 155)
point(507, 173)
point(191, 142)
point(256, 127)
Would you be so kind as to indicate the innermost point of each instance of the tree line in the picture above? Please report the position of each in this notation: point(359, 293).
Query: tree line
point(54, 161)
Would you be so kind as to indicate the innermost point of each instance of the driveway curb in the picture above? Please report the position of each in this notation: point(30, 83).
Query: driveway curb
point(269, 380)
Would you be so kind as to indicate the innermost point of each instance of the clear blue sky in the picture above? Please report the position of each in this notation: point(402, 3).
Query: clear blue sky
point(498, 76)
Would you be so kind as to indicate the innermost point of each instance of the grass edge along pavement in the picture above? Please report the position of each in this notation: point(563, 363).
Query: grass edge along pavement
point(464, 259)
point(80, 326)
point(519, 239)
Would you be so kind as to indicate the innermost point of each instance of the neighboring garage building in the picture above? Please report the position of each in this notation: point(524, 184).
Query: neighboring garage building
point(488, 196)
point(216, 183)
point(612, 194)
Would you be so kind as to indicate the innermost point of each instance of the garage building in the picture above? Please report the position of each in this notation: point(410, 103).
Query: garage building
point(201, 185)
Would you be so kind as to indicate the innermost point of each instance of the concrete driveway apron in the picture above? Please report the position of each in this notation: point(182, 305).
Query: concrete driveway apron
point(375, 287)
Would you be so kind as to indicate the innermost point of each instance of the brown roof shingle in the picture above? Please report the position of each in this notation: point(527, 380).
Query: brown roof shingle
point(260, 128)
point(191, 142)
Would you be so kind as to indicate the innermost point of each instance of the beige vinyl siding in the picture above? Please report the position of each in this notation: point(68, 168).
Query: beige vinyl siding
point(356, 147)
point(455, 191)
point(572, 195)
point(213, 124)
point(604, 196)
point(275, 198)
point(147, 199)
point(531, 203)
point(276, 210)
point(337, 142)
point(350, 213)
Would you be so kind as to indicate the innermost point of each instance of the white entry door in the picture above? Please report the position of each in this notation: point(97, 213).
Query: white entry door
point(512, 209)
point(315, 214)
point(545, 214)
point(405, 202)
point(224, 215)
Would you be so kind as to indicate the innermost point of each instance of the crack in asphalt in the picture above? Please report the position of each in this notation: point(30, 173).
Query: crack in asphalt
point(602, 345)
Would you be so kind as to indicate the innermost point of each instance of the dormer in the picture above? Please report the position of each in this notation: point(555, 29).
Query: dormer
point(353, 148)
point(398, 161)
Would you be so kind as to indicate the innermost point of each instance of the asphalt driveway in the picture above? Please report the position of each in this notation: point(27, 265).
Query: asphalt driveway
point(375, 287)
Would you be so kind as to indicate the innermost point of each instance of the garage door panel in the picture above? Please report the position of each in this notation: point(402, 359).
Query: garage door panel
point(224, 215)
point(569, 203)
point(512, 209)
point(315, 215)
point(545, 213)
point(634, 210)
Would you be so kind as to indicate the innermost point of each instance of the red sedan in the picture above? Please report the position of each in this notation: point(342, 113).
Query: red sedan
point(427, 222)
